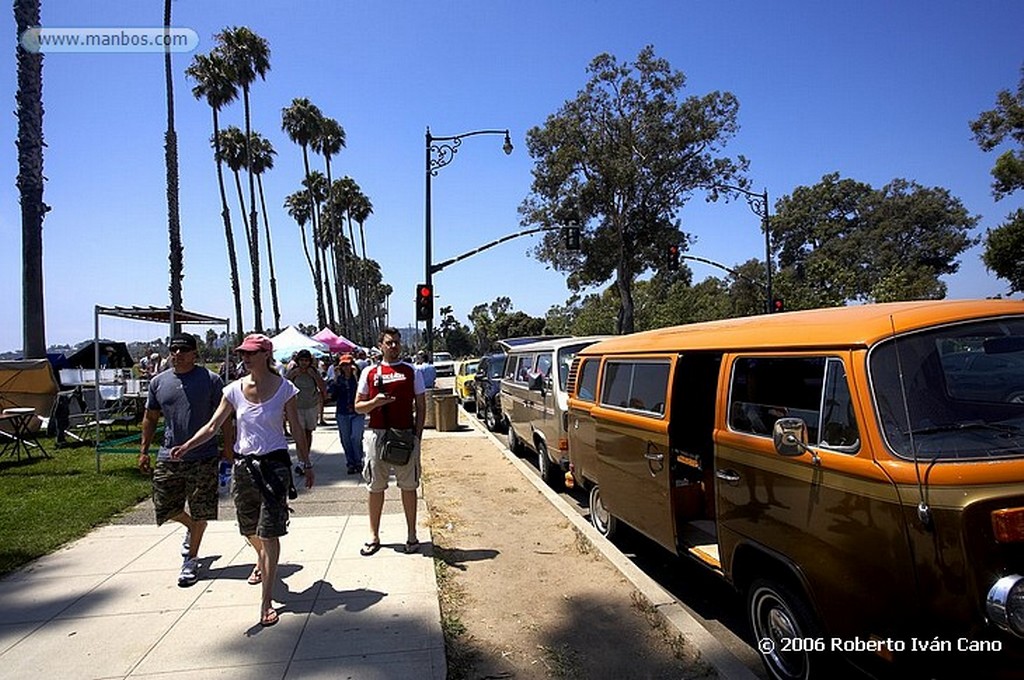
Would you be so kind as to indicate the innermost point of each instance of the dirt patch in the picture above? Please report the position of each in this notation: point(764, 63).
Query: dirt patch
point(523, 593)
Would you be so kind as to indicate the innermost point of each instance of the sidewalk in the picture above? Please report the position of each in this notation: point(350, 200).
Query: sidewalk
point(108, 605)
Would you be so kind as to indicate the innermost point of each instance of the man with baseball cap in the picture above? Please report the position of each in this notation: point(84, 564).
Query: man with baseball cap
point(187, 397)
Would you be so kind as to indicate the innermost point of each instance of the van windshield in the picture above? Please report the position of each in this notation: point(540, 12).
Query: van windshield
point(952, 393)
point(565, 356)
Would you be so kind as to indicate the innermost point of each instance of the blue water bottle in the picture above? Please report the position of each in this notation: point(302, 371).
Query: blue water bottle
point(225, 472)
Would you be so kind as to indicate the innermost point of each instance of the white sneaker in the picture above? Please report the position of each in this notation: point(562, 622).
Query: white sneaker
point(186, 544)
point(189, 573)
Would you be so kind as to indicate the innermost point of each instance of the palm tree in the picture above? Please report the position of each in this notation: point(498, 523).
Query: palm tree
point(299, 207)
point(360, 210)
point(328, 140)
point(229, 148)
point(317, 186)
point(249, 56)
point(30, 183)
point(300, 122)
point(262, 160)
point(171, 161)
point(344, 192)
point(214, 83)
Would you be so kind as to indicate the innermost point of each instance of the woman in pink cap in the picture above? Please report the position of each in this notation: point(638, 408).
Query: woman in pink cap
point(262, 475)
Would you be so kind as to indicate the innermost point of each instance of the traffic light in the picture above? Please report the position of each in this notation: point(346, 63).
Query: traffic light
point(424, 302)
point(777, 305)
point(572, 237)
point(673, 258)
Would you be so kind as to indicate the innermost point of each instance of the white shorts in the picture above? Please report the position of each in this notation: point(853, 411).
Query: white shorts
point(309, 417)
point(376, 472)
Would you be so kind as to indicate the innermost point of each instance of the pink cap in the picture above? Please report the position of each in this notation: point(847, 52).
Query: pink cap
point(255, 343)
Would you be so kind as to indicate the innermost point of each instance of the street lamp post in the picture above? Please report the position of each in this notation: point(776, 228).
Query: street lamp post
point(759, 205)
point(438, 156)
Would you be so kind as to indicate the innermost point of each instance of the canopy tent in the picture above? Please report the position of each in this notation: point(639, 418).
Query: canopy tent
point(111, 354)
point(338, 344)
point(290, 340)
point(28, 383)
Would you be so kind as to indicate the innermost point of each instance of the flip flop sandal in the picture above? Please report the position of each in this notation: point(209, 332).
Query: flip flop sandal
point(369, 548)
point(255, 578)
point(269, 618)
point(412, 546)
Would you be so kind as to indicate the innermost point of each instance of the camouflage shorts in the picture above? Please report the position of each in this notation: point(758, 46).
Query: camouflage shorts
point(256, 514)
point(194, 481)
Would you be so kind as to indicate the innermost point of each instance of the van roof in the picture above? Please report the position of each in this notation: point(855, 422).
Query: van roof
point(854, 326)
point(556, 343)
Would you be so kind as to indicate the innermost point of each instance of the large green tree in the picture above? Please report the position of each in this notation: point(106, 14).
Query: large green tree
point(1004, 253)
point(841, 241)
point(620, 160)
point(30, 182)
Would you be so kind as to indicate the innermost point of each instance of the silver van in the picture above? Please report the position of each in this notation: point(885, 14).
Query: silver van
point(534, 402)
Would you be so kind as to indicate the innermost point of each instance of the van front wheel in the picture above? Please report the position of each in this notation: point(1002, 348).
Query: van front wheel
point(778, 616)
point(605, 523)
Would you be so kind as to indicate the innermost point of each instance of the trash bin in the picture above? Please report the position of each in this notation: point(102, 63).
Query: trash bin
point(447, 416)
point(431, 408)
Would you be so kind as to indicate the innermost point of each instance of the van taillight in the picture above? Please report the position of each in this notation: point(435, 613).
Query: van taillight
point(1008, 524)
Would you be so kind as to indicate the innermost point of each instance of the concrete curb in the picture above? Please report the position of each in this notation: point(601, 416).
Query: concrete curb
point(728, 666)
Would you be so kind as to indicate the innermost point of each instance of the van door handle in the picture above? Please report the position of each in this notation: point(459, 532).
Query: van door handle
point(728, 476)
point(656, 457)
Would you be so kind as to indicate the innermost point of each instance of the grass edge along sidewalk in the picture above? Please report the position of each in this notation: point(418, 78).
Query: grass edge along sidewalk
point(48, 502)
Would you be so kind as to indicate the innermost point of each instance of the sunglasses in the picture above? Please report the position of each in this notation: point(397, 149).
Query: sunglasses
point(248, 353)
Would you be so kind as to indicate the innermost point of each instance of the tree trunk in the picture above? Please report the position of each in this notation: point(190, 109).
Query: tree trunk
point(229, 235)
point(270, 257)
point(253, 230)
point(30, 182)
point(321, 318)
point(171, 159)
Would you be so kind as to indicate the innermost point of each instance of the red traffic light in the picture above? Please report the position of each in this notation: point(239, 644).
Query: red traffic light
point(424, 291)
point(777, 305)
point(424, 302)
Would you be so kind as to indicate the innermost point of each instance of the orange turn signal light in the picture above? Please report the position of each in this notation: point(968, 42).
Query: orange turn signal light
point(1008, 524)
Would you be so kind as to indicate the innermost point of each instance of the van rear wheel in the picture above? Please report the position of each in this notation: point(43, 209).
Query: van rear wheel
point(777, 616)
point(549, 472)
point(605, 522)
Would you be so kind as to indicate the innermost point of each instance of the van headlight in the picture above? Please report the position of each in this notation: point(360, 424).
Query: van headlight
point(1005, 604)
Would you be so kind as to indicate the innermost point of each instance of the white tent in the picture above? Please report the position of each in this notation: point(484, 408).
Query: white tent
point(289, 341)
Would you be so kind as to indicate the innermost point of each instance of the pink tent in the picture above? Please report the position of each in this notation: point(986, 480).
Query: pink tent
point(336, 343)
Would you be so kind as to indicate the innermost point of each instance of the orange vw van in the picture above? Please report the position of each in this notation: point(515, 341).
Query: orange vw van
point(857, 473)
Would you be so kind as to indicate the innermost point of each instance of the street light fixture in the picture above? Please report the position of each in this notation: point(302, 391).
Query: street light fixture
point(759, 205)
point(438, 156)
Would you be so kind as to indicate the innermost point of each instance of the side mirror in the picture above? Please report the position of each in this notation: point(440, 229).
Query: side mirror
point(536, 381)
point(790, 438)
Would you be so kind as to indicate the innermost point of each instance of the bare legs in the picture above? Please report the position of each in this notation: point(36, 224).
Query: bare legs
point(268, 552)
point(377, 509)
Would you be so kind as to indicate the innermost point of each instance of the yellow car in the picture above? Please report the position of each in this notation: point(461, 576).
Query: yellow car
point(464, 372)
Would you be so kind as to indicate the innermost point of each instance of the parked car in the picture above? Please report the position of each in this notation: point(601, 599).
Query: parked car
point(821, 464)
point(534, 401)
point(444, 365)
point(486, 387)
point(465, 372)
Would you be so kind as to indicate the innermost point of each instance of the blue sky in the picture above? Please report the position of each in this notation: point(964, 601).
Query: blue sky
point(874, 90)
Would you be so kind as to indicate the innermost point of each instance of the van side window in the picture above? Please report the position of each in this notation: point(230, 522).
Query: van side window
point(838, 422)
point(524, 368)
point(543, 364)
point(765, 389)
point(588, 380)
point(637, 386)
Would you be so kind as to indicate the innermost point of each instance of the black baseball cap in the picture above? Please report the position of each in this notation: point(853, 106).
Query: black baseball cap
point(184, 341)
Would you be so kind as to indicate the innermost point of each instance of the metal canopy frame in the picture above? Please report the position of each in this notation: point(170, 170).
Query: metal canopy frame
point(165, 315)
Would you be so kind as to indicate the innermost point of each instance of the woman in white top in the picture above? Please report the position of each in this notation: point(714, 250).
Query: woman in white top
point(262, 473)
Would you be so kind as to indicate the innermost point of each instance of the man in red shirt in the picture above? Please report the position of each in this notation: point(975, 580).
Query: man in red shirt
point(392, 393)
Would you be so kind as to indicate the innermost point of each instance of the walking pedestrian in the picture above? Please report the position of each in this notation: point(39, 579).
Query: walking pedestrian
point(312, 393)
point(427, 369)
point(392, 393)
point(343, 390)
point(260, 402)
point(187, 398)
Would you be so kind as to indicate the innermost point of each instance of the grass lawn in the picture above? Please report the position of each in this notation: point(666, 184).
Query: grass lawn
point(45, 503)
